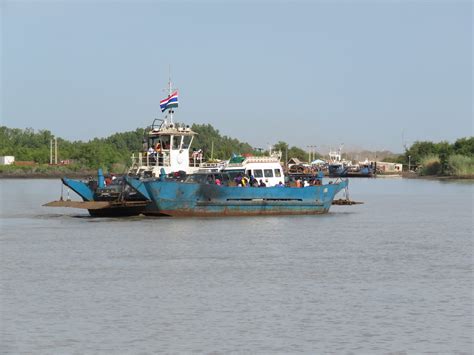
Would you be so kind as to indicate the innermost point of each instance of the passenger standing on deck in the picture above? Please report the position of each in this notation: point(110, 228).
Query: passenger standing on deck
point(253, 181)
point(298, 182)
point(238, 180)
point(157, 148)
point(151, 152)
point(262, 184)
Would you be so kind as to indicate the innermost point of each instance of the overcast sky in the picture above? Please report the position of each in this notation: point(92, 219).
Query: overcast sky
point(369, 74)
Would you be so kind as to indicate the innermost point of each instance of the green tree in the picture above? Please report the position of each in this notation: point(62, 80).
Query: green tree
point(419, 150)
point(464, 146)
point(295, 152)
point(281, 146)
point(444, 150)
point(224, 147)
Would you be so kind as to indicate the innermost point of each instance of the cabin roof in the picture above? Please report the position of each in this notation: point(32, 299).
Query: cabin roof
point(172, 131)
point(236, 160)
point(295, 161)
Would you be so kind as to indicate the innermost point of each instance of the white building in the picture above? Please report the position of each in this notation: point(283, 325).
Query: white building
point(7, 160)
point(389, 167)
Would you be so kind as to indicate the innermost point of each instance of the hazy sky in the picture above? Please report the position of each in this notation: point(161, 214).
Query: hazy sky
point(305, 72)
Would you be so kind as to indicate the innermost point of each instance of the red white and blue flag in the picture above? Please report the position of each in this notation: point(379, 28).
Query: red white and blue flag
point(171, 101)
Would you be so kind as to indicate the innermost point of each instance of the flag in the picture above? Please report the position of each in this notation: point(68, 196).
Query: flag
point(171, 101)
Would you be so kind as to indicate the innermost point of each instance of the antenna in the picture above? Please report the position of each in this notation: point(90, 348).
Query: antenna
point(169, 80)
point(403, 140)
point(169, 90)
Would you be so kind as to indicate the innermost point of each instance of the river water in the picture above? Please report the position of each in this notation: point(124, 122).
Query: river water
point(392, 275)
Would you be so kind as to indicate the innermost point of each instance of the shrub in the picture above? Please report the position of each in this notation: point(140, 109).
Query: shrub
point(460, 165)
point(430, 165)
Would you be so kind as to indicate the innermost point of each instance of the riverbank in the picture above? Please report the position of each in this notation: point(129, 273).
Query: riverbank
point(49, 173)
point(45, 176)
point(412, 175)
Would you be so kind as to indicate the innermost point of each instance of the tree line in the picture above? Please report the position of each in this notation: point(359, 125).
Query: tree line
point(114, 152)
point(439, 158)
point(29, 145)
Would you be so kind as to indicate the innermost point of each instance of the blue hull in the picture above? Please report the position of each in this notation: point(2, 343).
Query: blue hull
point(170, 198)
point(160, 197)
point(337, 170)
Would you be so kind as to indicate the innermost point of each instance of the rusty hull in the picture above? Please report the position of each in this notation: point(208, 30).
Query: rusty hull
point(206, 200)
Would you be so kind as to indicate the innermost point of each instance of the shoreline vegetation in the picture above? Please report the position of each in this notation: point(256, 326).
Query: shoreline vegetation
point(45, 172)
point(78, 159)
point(414, 175)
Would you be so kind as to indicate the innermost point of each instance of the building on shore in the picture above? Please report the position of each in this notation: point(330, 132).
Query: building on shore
point(7, 160)
point(386, 167)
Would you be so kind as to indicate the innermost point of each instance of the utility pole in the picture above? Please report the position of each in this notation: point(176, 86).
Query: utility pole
point(51, 151)
point(311, 152)
point(409, 163)
point(55, 151)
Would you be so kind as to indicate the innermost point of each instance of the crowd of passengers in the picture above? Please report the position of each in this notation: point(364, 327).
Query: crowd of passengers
point(251, 181)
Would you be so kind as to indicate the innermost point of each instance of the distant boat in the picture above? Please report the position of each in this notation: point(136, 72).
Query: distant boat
point(339, 167)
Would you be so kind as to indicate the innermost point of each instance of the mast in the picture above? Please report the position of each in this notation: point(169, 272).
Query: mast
point(170, 91)
point(167, 105)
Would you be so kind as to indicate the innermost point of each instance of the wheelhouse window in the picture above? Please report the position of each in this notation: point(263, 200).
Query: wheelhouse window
point(277, 173)
point(257, 173)
point(176, 142)
point(165, 142)
point(153, 142)
point(268, 173)
point(187, 141)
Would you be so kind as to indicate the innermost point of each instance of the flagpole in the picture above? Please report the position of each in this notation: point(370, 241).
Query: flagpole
point(166, 105)
point(169, 93)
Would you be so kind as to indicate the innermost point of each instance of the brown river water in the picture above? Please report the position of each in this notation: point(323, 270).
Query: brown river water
point(392, 275)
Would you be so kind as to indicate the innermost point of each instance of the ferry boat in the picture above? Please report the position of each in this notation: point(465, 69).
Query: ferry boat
point(170, 180)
